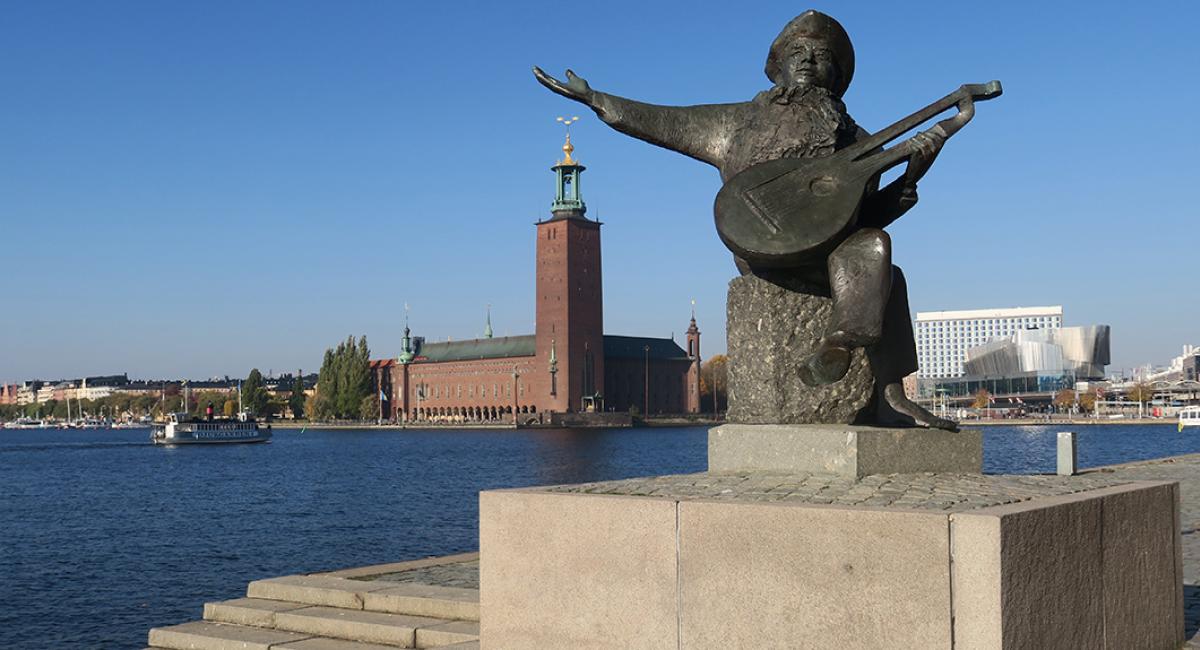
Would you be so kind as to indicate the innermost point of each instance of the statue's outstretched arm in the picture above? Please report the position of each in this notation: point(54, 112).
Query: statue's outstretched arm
point(701, 132)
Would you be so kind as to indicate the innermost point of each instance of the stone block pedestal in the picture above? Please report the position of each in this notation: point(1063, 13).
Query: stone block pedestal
point(814, 561)
point(842, 449)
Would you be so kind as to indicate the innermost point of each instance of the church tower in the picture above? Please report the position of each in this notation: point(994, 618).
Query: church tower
point(693, 375)
point(569, 314)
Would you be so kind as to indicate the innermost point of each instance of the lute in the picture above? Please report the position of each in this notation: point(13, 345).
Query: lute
point(794, 210)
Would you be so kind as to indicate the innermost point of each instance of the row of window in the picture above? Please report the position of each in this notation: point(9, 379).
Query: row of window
point(976, 324)
point(426, 391)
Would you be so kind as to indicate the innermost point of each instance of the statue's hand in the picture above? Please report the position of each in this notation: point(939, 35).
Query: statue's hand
point(576, 87)
point(926, 146)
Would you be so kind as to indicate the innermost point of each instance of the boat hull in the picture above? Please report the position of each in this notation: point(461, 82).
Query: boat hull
point(209, 434)
point(191, 441)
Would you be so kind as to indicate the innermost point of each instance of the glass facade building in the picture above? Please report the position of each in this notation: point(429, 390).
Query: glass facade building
point(944, 337)
point(1029, 361)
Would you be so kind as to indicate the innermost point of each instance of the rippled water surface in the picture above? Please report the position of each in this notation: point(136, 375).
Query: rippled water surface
point(103, 535)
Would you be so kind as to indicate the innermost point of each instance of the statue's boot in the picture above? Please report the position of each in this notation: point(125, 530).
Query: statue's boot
point(829, 363)
point(896, 409)
point(831, 360)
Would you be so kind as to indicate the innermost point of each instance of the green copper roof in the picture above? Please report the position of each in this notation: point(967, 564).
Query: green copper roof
point(634, 347)
point(493, 348)
point(617, 347)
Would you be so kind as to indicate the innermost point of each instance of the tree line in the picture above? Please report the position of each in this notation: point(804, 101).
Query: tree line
point(170, 399)
point(344, 384)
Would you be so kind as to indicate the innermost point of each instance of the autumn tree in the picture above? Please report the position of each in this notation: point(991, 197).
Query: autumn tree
point(1065, 398)
point(714, 380)
point(368, 408)
point(1088, 399)
point(1140, 393)
point(982, 398)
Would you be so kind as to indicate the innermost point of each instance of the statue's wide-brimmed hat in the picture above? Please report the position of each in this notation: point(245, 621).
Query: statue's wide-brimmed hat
point(821, 27)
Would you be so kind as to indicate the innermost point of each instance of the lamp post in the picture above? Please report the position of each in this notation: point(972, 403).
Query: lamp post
point(646, 398)
point(515, 402)
point(421, 415)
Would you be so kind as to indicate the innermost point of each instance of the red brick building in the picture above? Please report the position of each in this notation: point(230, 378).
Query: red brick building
point(567, 365)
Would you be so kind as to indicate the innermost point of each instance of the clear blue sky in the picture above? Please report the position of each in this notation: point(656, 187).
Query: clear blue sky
point(193, 189)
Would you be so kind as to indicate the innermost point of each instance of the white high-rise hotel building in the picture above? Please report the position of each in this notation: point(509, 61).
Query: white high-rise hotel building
point(943, 337)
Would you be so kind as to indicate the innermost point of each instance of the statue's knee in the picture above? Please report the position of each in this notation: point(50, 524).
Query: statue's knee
point(868, 243)
point(878, 241)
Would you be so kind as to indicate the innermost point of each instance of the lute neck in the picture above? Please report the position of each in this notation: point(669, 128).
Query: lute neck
point(964, 98)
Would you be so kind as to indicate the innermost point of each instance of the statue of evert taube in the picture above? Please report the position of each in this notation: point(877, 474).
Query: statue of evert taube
point(801, 205)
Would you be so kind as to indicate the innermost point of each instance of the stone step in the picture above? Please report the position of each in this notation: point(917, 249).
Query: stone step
point(452, 634)
point(374, 627)
point(209, 635)
point(424, 600)
point(255, 612)
point(322, 590)
point(206, 635)
point(350, 624)
point(377, 596)
point(322, 643)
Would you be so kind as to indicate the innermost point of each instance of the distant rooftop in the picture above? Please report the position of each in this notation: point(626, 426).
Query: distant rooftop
point(634, 347)
point(1009, 312)
point(493, 348)
point(617, 347)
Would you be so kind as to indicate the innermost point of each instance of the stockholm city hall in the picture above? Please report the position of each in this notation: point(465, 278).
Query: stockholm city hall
point(568, 365)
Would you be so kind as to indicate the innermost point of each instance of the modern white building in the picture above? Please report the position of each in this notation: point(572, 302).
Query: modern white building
point(943, 337)
point(1182, 368)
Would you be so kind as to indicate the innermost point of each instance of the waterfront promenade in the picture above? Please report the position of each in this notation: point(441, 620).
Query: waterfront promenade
point(456, 579)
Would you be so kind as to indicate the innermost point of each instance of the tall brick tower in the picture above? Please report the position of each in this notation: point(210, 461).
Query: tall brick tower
point(693, 376)
point(570, 318)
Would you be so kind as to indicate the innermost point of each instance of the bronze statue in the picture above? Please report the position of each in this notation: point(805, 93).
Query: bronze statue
point(801, 197)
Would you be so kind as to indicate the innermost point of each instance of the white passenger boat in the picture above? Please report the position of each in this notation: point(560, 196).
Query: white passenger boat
point(29, 423)
point(183, 429)
point(88, 423)
point(128, 424)
point(1189, 417)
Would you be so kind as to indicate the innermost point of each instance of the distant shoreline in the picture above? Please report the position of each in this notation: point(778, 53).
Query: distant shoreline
point(494, 426)
point(683, 422)
point(1022, 422)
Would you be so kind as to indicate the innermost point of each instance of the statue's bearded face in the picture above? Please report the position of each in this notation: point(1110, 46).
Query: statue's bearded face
point(809, 63)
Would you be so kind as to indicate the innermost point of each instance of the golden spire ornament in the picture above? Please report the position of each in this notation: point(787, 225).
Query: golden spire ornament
point(568, 148)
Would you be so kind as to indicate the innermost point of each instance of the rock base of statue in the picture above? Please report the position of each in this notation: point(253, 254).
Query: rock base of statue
point(772, 329)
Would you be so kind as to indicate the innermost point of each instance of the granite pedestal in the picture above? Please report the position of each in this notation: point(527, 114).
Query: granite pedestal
point(758, 560)
point(843, 450)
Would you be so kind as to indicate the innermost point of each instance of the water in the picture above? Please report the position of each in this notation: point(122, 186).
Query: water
point(103, 536)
